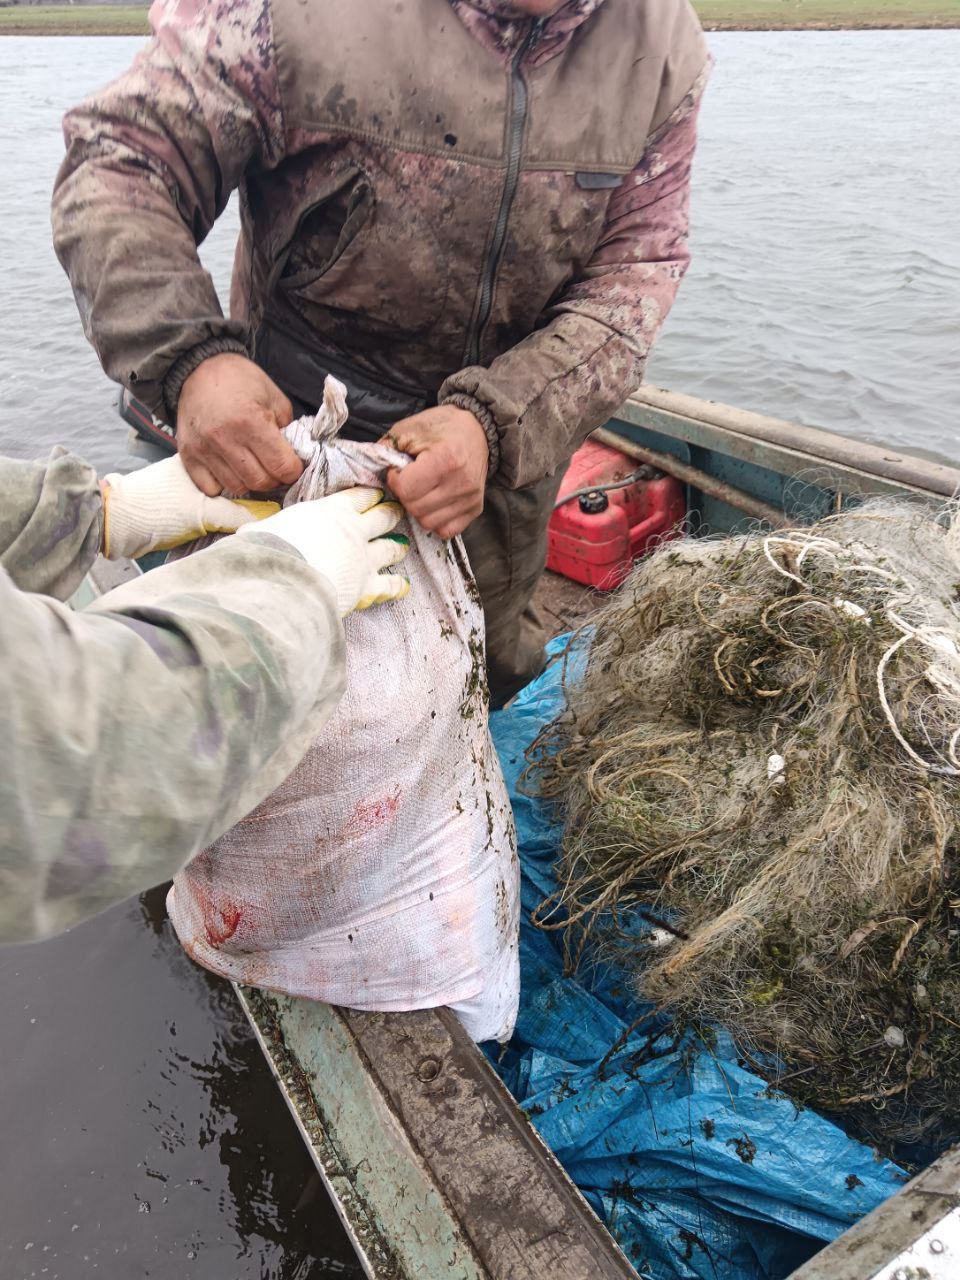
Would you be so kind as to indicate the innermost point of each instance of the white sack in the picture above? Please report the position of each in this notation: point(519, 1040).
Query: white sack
point(383, 873)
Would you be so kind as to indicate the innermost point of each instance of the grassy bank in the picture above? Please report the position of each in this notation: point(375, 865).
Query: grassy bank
point(773, 15)
point(716, 15)
point(74, 20)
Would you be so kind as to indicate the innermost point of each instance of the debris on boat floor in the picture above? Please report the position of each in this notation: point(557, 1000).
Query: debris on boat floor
point(759, 771)
point(564, 605)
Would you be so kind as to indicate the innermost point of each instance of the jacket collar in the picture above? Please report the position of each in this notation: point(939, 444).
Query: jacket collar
point(496, 26)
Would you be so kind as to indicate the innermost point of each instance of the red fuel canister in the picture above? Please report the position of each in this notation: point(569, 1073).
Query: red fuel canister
point(595, 539)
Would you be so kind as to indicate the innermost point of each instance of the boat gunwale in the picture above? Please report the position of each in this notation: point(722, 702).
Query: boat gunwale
point(450, 1132)
point(797, 446)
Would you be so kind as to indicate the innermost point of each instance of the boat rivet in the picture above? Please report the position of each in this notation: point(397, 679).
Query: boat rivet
point(936, 1246)
point(428, 1069)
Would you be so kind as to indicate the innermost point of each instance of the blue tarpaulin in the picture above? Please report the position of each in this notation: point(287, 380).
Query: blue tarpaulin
point(701, 1171)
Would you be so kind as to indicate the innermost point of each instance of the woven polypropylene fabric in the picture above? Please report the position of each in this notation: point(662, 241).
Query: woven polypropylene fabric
point(383, 873)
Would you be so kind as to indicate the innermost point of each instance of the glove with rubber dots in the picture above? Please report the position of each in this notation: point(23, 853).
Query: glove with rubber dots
point(348, 538)
point(160, 507)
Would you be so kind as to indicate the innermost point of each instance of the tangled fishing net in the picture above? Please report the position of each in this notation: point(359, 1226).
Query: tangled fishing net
point(760, 773)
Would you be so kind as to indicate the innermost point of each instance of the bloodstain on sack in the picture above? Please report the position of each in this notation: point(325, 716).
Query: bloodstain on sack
point(370, 814)
point(222, 918)
point(382, 874)
point(222, 923)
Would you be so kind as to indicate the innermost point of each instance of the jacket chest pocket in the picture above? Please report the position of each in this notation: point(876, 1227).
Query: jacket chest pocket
point(558, 222)
point(359, 251)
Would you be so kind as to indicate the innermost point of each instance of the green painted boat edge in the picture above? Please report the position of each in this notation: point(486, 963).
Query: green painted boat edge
point(433, 1167)
point(805, 471)
point(386, 1202)
point(787, 443)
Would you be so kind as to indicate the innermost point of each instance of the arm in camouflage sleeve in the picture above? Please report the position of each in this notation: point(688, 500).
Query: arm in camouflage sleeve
point(137, 731)
point(51, 518)
point(539, 401)
point(151, 162)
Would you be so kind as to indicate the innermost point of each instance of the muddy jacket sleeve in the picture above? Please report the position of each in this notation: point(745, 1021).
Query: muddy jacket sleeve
point(151, 162)
point(137, 731)
point(539, 400)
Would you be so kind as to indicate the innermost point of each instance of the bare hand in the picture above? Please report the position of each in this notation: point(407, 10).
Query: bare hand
point(229, 420)
point(443, 488)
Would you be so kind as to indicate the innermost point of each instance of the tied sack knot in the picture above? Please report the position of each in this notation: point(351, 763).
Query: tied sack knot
point(307, 437)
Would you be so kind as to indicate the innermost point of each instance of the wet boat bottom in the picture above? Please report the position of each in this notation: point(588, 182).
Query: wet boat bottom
point(144, 1134)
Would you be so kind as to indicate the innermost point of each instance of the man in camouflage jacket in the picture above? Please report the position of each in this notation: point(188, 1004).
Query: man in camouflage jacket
point(473, 212)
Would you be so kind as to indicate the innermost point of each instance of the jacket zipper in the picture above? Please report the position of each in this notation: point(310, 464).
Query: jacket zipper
point(519, 107)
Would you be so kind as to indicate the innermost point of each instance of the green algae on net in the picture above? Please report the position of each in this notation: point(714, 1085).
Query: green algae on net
point(761, 760)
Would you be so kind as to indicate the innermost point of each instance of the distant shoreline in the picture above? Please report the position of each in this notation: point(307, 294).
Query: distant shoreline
point(827, 15)
point(716, 15)
point(881, 24)
point(74, 20)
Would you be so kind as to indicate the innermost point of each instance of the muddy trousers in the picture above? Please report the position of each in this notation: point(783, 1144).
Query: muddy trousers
point(507, 544)
point(507, 547)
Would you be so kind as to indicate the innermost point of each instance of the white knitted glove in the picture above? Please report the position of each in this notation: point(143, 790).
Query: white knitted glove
point(160, 507)
point(341, 536)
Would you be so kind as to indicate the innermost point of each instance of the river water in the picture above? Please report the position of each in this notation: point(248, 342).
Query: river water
point(142, 1134)
point(825, 286)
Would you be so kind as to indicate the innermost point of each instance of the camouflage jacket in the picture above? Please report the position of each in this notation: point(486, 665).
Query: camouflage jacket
point(457, 205)
point(137, 731)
